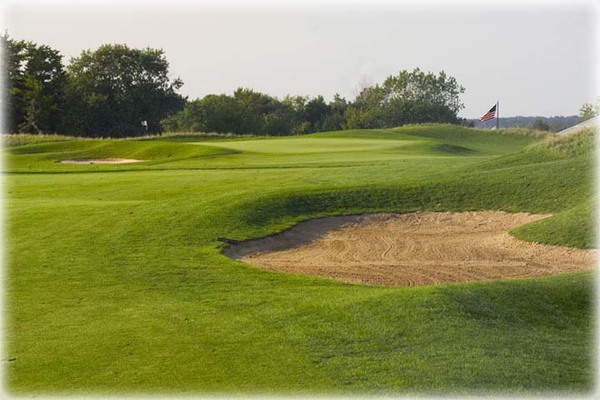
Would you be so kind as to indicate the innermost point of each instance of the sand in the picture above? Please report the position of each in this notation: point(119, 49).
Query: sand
point(101, 161)
point(412, 249)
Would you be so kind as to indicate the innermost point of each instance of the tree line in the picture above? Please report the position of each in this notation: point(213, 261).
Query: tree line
point(250, 112)
point(117, 91)
point(550, 124)
point(409, 97)
point(103, 93)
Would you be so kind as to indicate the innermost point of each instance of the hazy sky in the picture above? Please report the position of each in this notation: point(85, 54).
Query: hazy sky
point(535, 57)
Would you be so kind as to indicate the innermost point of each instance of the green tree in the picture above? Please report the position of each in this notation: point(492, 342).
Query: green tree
point(541, 125)
point(316, 113)
point(252, 107)
point(281, 118)
point(190, 119)
point(295, 107)
point(221, 114)
point(246, 112)
point(588, 111)
point(416, 97)
point(366, 112)
point(111, 90)
point(334, 120)
point(34, 86)
point(409, 97)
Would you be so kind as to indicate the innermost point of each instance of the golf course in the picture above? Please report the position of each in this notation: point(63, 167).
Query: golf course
point(118, 281)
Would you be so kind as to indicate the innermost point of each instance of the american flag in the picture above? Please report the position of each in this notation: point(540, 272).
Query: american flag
point(491, 114)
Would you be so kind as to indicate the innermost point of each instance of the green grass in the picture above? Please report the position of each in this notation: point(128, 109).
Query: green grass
point(114, 282)
point(22, 139)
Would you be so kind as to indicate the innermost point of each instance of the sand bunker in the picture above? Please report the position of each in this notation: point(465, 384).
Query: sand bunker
point(412, 249)
point(89, 161)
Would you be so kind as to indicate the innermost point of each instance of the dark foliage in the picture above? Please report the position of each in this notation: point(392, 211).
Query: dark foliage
point(34, 86)
point(113, 90)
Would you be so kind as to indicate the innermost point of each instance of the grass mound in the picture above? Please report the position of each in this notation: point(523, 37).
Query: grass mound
point(42, 157)
point(577, 144)
point(574, 227)
point(22, 139)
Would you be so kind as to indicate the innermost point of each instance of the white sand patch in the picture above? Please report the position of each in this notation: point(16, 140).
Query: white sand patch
point(413, 249)
point(89, 161)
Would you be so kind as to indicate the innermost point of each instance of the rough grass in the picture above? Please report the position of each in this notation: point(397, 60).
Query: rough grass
point(580, 143)
point(22, 139)
point(114, 283)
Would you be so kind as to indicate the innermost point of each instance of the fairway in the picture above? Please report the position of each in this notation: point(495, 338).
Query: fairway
point(116, 283)
point(302, 145)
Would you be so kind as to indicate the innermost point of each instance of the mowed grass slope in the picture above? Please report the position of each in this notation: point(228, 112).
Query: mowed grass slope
point(114, 281)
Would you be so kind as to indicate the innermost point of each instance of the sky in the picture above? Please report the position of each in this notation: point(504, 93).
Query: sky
point(537, 58)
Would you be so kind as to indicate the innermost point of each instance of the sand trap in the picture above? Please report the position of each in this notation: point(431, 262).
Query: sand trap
point(89, 161)
point(412, 249)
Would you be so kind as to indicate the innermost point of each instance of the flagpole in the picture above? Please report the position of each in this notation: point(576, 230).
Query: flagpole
point(497, 114)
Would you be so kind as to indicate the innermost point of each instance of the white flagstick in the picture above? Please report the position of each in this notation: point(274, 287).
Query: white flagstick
point(497, 114)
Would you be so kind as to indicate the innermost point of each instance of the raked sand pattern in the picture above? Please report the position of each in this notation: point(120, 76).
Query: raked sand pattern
point(412, 249)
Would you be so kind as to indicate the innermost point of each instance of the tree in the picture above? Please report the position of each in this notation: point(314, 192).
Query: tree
point(35, 81)
point(316, 112)
point(111, 90)
point(366, 112)
point(541, 125)
point(252, 107)
point(334, 120)
point(588, 111)
point(295, 111)
point(221, 114)
point(409, 97)
point(416, 97)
